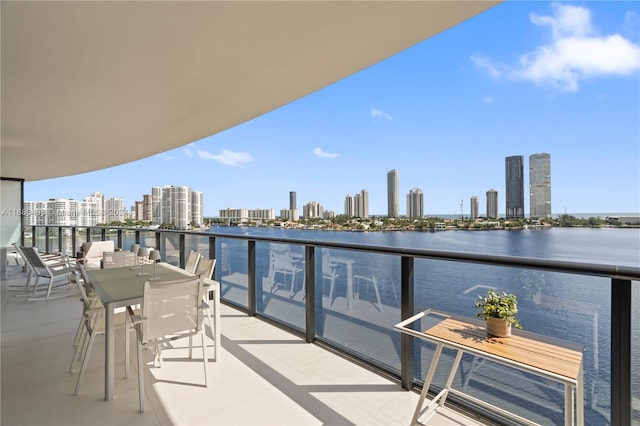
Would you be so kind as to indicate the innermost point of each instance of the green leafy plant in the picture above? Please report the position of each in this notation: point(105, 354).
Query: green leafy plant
point(494, 305)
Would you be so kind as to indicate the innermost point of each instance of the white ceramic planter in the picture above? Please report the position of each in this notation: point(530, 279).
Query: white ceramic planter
point(498, 327)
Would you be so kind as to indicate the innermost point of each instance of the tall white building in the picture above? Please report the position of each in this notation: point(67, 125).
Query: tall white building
point(235, 215)
point(290, 214)
point(415, 203)
point(311, 210)
point(475, 207)
point(156, 205)
point(197, 209)
point(97, 202)
point(35, 213)
point(349, 206)
point(357, 205)
point(115, 210)
point(492, 204)
point(177, 205)
point(393, 193)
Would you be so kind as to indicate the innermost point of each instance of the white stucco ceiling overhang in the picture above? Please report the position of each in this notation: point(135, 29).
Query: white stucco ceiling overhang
point(88, 85)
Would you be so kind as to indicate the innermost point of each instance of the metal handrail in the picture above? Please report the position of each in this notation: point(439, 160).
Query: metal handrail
point(621, 304)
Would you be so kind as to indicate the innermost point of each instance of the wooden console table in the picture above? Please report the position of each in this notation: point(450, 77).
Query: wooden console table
point(553, 359)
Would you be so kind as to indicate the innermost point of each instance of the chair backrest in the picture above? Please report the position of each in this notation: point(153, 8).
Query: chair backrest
point(205, 267)
point(118, 258)
point(281, 256)
point(84, 286)
point(171, 307)
point(327, 269)
point(32, 257)
point(192, 261)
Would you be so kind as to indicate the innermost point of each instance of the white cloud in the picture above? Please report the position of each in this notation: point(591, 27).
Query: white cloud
point(377, 113)
point(485, 64)
point(188, 150)
point(318, 152)
point(228, 158)
point(574, 54)
point(488, 99)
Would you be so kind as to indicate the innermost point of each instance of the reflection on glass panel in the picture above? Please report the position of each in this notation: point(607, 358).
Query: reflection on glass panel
point(53, 239)
point(197, 243)
point(231, 270)
point(96, 234)
point(81, 238)
point(128, 239)
point(39, 238)
point(112, 235)
point(280, 283)
point(67, 247)
point(170, 248)
point(564, 306)
point(359, 294)
point(635, 352)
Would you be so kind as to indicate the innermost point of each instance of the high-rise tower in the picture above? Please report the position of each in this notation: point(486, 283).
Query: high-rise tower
point(492, 204)
point(393, 193)
point(415, 203)
point(514, 186)
point(540, 185)
point(292, 200)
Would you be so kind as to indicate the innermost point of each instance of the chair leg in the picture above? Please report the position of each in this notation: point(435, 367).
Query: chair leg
point(127, 346)
point(80, 347)
point(140, 371)
point(204, 358)
point(85, 361)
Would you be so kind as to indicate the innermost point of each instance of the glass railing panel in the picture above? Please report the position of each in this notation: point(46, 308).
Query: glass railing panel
point(147, 239)
point(169, 247)
point(111, 234)
point(280, 283)
point(635, 352)
point(128, 239)
point(81, 238)
point(197, 243)
point(67, 247)
point(360, 302)
point(231, 270)
point(53, 239)
point(28, 237)
point(38, 239)
point(563, 306)
point(96, 234)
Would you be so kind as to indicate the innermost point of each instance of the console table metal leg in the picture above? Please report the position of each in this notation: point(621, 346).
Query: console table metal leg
point(452, 374)
point(427, 383)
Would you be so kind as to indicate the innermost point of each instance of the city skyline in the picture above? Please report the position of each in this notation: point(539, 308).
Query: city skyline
point(445, 113)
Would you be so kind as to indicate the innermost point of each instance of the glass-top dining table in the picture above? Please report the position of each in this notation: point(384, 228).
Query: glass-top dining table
point(123, 286)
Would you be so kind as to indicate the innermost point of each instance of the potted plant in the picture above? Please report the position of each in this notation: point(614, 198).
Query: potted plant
point(499, 312)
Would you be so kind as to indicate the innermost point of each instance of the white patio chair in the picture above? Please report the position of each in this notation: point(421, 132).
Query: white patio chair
point(117, 259)
point(192, 261)
point(329, 272)
point(170, 310)
point(52, 270)
point(281, 262)
point(205, 270)
point(50, 258)
point(92, 324)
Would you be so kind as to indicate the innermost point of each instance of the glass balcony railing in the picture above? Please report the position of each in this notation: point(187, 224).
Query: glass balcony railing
point(350, 296)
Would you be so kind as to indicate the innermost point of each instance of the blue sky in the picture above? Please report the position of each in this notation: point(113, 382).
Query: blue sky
point(519, 79)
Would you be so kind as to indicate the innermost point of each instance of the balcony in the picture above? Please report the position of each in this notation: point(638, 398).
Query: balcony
point(265, 376)
point(358, 334)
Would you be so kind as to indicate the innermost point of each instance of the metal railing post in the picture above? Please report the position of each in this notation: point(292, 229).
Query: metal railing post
point(620, 352)
point(251, 279)
point(182, 248)
point(406, 310)
point(46, 239)
point(310, 288)
point(60, 239)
